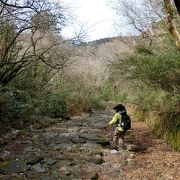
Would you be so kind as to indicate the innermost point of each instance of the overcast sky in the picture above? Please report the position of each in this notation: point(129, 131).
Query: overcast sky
point(96, 17)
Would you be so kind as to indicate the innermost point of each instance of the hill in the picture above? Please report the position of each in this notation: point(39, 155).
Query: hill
point(96, 55)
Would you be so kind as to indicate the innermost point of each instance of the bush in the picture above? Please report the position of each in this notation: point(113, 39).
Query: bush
point(51, 105)
point(82, 100)
point(15, 104)
point(111, 92)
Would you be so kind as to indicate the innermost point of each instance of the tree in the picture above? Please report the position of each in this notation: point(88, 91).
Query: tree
point(29, 30)
point(170, 21)
point(149, 18)
point(177, 4)
point(139, 16)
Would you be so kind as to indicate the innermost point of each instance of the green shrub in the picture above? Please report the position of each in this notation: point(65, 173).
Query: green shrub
point(15, 104)
point(152, 71)
point(51, 105)
point(110, 92)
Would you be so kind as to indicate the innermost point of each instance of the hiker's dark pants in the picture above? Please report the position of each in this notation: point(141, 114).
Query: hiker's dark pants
point(118, 139)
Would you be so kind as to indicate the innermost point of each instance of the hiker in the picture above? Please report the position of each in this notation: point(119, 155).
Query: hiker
point(122, 123)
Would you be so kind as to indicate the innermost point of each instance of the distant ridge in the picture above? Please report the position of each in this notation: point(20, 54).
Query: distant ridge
point(102, 41)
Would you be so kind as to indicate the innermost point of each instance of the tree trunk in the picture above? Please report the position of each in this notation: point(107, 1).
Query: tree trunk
point(177, 3)
point(171, 26)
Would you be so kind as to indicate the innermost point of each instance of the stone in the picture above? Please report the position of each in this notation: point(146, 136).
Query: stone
point(100, 125)
point(132, 147)
point(32, 174)
point(38, 168)
point(34, 159)
point(95, 138)
point(87, 171)
point(64, 146)
point(14, 166)
point(91, 145)
point(51, 161)
point(65, 163)
point(61, 140)
point(77, 140)
point(66, 158)
point(113, 151)
point(49, 135)
point(30, 149)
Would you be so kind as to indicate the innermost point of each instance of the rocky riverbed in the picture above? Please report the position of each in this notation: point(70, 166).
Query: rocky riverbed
point(65, 149)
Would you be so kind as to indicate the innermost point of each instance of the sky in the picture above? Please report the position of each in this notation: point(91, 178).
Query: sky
point(95, 17)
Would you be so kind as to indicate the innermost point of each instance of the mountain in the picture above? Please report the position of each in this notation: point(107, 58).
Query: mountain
point(96, 55)
point(98, 42)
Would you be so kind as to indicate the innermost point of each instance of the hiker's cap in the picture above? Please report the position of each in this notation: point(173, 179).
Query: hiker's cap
point(119, 107)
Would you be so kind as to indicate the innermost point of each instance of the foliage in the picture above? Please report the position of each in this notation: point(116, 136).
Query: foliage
point(29, 39)
point(82, 98)
point(153, 72)
point(169, 127)
point(51, 105)
point(15, 104)
point(111, 92)
point(161, 70)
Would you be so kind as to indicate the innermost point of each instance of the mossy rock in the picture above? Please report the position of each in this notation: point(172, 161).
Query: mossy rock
point(14, 166)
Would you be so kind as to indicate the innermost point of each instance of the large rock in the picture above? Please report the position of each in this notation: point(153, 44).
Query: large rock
point(70, 137)
point(34, 159)
point(14, 166)
point(95, 138)
point(61, 140)
point(100, 125)
point(30, 149)
point(91, 145)
point(38, 168)
point(66, 157)
point(133, 147)
point(77, 140)
point(86, 171)
point(51, 161)
point(64, 146)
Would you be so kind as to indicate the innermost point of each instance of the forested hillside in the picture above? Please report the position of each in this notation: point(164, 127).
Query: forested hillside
point(57, 94)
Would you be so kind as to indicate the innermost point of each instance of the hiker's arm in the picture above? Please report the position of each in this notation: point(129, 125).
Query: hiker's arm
point(114, 119)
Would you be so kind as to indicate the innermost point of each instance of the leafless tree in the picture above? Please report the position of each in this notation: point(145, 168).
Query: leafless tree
point(30, 33)
point(139, 15)
point(149, 17)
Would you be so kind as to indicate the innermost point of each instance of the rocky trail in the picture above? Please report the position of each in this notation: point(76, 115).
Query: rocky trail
point(79, 148)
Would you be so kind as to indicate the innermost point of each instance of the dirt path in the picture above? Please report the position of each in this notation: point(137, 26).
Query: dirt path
point(153, 160)
point(158, 161)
